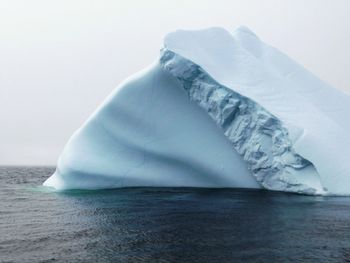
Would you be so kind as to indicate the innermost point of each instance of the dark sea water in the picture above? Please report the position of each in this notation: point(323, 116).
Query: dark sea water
point(166, 225)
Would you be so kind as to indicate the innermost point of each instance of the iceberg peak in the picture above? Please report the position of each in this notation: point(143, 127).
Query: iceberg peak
point(244, 29)
point(217, 110)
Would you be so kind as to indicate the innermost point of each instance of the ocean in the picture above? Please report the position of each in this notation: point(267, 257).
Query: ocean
point(166, 224)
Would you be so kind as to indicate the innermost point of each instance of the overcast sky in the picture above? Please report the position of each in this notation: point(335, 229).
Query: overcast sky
point(60, 59)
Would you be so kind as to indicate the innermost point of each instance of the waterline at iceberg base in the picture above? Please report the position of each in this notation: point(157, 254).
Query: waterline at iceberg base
point(215, 110)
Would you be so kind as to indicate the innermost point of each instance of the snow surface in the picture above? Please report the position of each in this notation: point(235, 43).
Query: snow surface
point(217, 110)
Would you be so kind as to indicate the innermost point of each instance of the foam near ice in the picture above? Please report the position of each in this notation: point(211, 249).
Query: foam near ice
point(217, 110)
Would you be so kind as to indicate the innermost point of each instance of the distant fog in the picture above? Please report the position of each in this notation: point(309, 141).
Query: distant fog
point(60, 59)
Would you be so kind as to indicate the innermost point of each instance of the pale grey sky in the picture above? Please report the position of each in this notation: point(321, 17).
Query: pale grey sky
point(60, 58)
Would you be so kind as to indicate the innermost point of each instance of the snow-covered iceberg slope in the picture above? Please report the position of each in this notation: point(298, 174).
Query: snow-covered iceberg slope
point(216, 110)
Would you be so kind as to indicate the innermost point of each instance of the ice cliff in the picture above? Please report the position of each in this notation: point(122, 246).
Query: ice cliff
point(257, 135)
point(216, 110)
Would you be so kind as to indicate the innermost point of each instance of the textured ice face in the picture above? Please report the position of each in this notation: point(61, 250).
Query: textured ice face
point(315, 114)
point(257, 135)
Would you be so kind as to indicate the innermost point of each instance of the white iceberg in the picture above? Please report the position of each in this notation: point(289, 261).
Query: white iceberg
point(215, 110)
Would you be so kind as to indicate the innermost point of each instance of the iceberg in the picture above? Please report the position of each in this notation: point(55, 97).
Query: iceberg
point(215, 110)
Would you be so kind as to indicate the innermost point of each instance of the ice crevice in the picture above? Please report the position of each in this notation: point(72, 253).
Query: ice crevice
point(257, 135)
